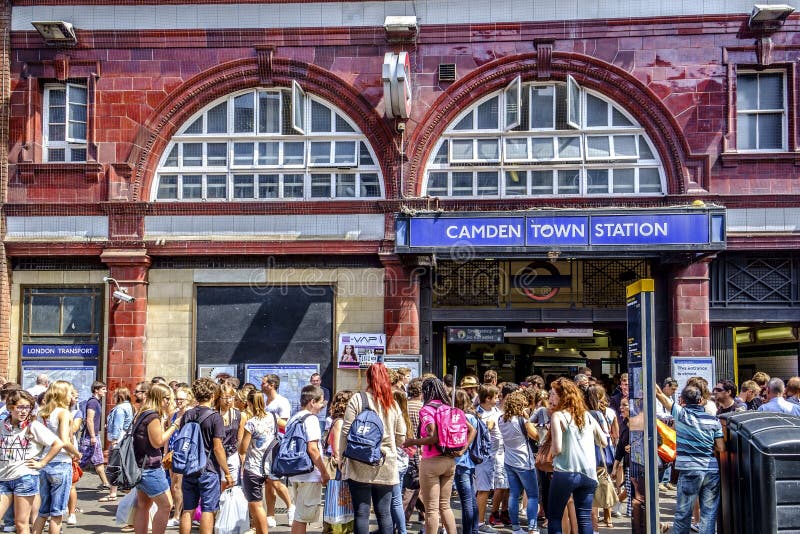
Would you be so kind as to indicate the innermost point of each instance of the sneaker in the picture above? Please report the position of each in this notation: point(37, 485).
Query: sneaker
point(518, 531)
point(72, 520)
point(495, 521)
point(486, 529)
point(173, 523)
point(505, 518)
point(271, 523)
point(695, 527)
point(9, 528)
point(290, 514)
point(671, 486)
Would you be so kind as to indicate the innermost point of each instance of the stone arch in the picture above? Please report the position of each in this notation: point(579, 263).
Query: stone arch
point(684, 170)
point(156, 132)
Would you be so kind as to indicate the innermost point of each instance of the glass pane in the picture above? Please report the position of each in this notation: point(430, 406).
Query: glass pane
point(268, 153)
point(649, 180)
point(487, 183)
point(437, 184)
point(56, 154)
point(320, 185)
point(364, 157)
point(345, 186)
point(45, 315)
point(442, 155)
point(746, 92)
point(196, 127)
point(574, 98)
point(192, 154)
point(218, 118)
point(597, 181)
point(746, 131)
point(487, 114)
point(542, 147)
point(770, 91)
point(192, 186)
point(462, 149)
point(58, 114)
point(294, 153)
point(542, 106)
point(370, 187)
point(342, 126)
point(58, 97)
point(770, 131)
point(488, 149)
point(596, 111)
point(465, 123)
point(619, 119)
point(57, 132)
point(513, 103)
point(516, 183)
point(217, 186)
point(76, 315)
point(292, 186)
point(172, 157)
point(598, 147)
point(320, 152)
point(298, 108)
point(569, 182)
point(244, 113)
point(462, 184)
point(243, 186)
point(77, 154)
point(77, 112)
point(168, 187)
point(217, 154)
point(243, 153)
point(77, 95)
point(77, 131)
point(516, 149)
point(268, 185)
point(269, 112)
point(320, 117)
point(569, 147)
point(623, 181)
point(345, 152)
point(644, 149)
point(625, 145)
point(541, 182)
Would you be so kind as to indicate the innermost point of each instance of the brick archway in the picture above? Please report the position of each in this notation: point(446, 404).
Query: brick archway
point(685, 171)
point(201, 90)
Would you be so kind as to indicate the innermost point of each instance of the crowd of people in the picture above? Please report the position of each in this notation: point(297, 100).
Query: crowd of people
point(556, 454)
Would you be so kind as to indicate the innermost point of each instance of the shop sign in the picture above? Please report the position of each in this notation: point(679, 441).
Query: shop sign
point(594, 229)
point(476, 334)
point(359, 351)
point(60, 351)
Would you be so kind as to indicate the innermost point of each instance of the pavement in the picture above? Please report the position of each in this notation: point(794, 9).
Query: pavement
point(96, 517)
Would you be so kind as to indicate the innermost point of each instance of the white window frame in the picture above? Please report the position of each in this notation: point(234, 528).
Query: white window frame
point(783, 111)
point(513, 91)
point(69, 143)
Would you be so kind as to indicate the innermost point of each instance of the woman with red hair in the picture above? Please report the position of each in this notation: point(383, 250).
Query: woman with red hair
point(574, 433)
point(374, 482)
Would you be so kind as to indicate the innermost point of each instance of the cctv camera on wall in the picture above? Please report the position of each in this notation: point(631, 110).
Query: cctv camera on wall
point(122, 296)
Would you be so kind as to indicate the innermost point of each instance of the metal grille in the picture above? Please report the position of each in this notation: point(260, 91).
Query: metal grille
point(264, 262)
point(604, 281)
point(447, 72)
point(58, 264)
point(754, 279)
point(473, 283)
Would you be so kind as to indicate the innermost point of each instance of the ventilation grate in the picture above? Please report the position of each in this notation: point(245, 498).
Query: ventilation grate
point(447, 72)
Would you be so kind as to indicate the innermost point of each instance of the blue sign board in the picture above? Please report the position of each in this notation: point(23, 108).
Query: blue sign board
point(60, 351)
point(552, 230)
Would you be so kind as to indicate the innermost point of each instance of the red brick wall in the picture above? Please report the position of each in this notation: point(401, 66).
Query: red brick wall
point(690, 292)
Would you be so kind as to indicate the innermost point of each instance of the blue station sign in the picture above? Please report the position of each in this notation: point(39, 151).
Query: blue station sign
point(60, 351)
point(570, 230)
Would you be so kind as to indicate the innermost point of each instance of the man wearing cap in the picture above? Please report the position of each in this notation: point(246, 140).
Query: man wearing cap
point(470, 384)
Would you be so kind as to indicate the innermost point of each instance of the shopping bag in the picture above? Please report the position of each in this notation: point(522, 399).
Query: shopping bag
point(343, 528)
point(338, 508)
point(233, 517)
point(126, 509)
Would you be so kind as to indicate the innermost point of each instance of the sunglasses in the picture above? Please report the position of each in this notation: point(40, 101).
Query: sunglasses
point(718, 390)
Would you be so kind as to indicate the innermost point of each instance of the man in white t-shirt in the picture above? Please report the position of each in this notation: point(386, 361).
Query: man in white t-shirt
point(282, 408)
point(308, 487)
point(42, 383)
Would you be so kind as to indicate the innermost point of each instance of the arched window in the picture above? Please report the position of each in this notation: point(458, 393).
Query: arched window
point(544, 140)
point(268, 144)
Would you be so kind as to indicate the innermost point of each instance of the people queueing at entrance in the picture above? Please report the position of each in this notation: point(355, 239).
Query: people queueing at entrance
point(520, 429)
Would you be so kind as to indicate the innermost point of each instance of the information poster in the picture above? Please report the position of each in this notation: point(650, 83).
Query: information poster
point(212, 371)
point(684, 368)
point(359, 351)
point(80, 376)
point(294, 376)
point(411, 361)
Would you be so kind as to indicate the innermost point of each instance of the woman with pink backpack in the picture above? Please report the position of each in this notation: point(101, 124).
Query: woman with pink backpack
point(437, 469)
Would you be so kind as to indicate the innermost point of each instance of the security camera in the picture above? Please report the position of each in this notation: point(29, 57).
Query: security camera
point(122, 296)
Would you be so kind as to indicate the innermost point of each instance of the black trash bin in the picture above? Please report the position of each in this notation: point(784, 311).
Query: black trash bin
point(775, 457)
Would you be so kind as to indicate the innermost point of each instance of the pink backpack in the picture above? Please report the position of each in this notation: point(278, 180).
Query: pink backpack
point(451, 427)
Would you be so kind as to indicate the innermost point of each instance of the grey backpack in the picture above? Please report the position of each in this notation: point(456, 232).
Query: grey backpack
point(123, 470)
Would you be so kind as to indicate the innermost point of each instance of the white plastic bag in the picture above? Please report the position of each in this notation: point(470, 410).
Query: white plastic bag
point(233, 517)
point(126, 509)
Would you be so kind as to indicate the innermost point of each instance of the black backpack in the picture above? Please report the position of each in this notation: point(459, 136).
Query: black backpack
point(123, 470)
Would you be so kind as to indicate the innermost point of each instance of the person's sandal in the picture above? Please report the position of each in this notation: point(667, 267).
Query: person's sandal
point(108, 498)
point(128, 528)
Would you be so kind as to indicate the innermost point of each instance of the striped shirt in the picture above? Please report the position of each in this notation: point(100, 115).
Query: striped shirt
point(696, 431)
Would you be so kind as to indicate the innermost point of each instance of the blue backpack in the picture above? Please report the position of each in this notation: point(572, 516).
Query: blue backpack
point(365, 436)
point(292, 456)
point(481, 447)
point(189, 453)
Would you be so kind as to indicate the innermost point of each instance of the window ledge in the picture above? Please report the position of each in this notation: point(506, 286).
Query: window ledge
point(91, 171)
point(733, 159)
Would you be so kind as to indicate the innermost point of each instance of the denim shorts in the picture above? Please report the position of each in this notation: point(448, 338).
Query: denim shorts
point(24, 486)
point(203, 486)
point(55, 480)
point(153, 482)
